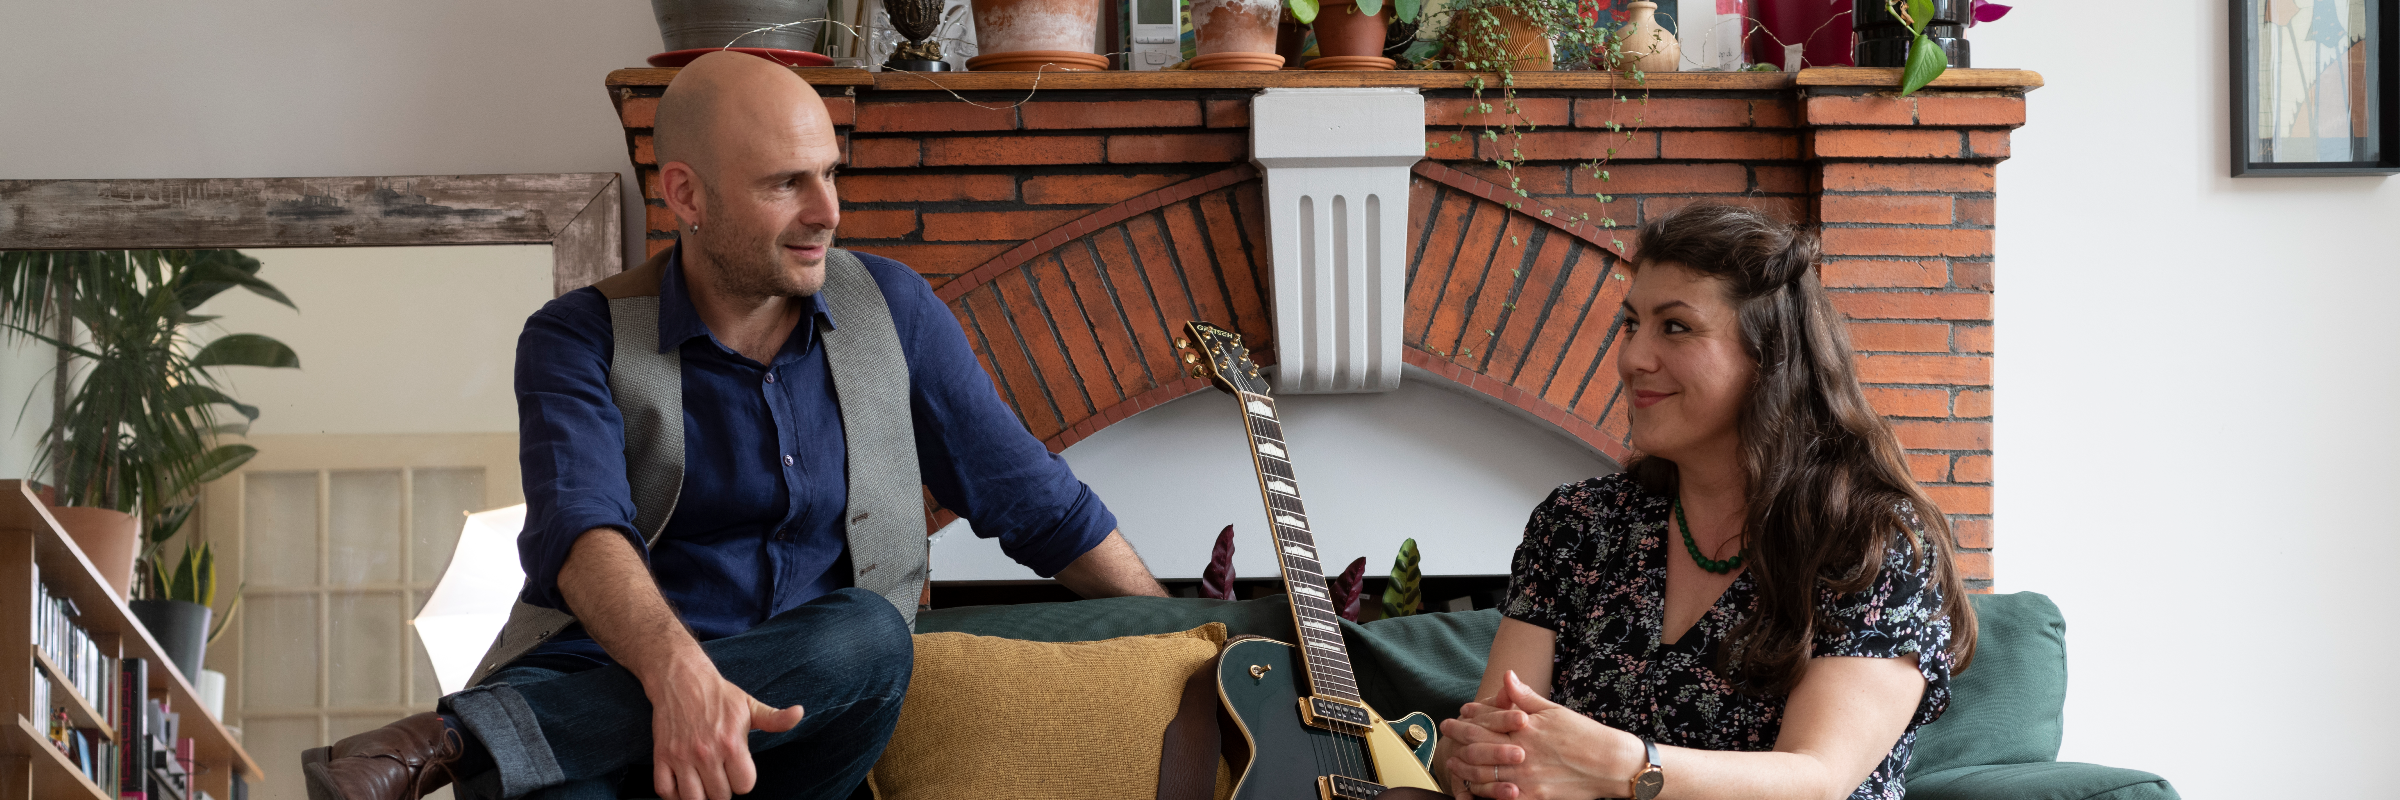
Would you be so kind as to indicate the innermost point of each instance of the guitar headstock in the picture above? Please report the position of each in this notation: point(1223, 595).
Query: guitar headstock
point(1218, 355)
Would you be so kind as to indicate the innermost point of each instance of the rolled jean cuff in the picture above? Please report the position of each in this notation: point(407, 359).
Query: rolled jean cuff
point(501, 720)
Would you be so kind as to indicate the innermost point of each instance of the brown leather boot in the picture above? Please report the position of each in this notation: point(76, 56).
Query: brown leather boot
point(401, 761)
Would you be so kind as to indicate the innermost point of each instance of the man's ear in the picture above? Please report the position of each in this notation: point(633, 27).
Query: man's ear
point(680, 186)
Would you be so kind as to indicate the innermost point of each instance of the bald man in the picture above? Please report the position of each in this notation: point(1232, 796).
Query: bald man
point(732, 655)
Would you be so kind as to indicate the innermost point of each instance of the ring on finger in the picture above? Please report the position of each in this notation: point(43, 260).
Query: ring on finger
point(1495, 773)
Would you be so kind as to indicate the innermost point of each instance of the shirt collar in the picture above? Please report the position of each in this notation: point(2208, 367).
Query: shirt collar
point(679, 322)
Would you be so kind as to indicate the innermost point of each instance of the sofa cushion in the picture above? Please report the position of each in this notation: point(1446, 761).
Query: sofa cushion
point(1108, 618)
point(2008, 707)
point(997, 718)
point(2050, 780)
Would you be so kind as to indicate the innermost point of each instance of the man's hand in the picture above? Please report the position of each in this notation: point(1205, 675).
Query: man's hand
point(700, 728)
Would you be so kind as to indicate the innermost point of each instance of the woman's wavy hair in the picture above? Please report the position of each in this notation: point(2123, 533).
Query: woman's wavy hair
point(1828, 481)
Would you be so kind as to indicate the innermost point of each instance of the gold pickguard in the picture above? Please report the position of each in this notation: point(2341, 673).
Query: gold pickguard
point(1395, 761)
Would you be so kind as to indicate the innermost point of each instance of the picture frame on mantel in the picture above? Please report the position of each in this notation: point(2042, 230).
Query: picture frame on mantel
point(2314, 86)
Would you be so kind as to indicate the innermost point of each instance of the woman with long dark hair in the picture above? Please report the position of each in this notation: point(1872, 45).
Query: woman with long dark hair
point(1763, 605)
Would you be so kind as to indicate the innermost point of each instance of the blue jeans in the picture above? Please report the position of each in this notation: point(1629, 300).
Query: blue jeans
point(845, 657)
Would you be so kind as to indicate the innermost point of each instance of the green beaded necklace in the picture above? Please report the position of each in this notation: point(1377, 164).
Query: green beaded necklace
point(1715, 567)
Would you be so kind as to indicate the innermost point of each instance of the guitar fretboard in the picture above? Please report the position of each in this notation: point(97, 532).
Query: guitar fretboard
point(1320, 627)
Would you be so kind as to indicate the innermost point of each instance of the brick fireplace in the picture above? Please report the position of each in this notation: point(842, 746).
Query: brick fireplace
point(1073, 225)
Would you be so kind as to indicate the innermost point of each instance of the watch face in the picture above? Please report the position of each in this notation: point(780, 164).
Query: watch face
point(1648, 784)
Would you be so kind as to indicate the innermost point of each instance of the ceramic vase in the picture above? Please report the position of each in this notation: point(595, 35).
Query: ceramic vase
point(107, 537)
point(1030, 35)
point(1646, 45)
point(1236, 34)
point(1347, 39)
point(1526, 45)
point(696, 24)
point(181, 630)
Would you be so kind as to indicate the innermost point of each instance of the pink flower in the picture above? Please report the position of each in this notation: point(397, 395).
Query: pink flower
point(1986, 11)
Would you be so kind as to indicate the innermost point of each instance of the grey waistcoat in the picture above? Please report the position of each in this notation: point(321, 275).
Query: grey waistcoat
point(885, 519)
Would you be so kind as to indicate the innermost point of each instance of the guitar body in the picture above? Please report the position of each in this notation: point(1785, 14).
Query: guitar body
point(1287, 755)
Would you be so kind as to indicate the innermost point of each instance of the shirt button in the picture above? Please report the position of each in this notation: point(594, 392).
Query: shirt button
point(770, 377)
point(787, 460)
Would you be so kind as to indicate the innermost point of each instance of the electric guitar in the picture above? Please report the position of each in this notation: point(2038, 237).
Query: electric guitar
point(1309, 732)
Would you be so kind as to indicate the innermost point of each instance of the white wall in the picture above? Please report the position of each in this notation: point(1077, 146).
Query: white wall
point(2195, 422)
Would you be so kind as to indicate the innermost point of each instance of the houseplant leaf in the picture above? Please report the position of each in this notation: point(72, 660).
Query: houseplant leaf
point(194, 394)
point(1304, 11)
point(246, 350)
point(1404, 595)
point(1370, 7)
point(185, 586)
point(1926, 61)
point(204, 584)
point(1406, 10)
point(1217, 581)
point(1346, 589)
point(1920, 14)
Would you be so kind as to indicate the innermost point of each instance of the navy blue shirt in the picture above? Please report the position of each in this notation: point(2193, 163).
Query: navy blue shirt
point(758, 528)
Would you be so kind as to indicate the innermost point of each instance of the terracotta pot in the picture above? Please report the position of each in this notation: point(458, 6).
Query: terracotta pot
point(1647, 45)
point(1237, 62)
point(108, 537)
point(1038, 61)
point(1345, 34)
point(1007, 26)
point(1235, 26)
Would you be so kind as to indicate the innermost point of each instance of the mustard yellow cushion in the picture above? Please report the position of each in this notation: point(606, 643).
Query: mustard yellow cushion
point(1005, 719)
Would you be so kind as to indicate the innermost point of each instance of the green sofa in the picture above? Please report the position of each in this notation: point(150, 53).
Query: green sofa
point(1999, 739)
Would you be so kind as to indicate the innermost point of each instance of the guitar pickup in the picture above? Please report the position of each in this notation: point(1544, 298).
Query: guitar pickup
point(1334, 714)
point(1344, 787)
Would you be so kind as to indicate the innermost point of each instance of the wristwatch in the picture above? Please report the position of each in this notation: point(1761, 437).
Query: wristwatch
point(1652, 779)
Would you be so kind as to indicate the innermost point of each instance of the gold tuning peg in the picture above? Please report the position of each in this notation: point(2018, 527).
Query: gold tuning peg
point(1191, 358)
point(1199, 371)
point(1182, 343)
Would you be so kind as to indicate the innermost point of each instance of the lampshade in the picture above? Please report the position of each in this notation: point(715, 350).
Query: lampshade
point(464, 615)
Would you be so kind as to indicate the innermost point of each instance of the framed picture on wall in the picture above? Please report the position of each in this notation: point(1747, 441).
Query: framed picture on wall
point(2315, 83)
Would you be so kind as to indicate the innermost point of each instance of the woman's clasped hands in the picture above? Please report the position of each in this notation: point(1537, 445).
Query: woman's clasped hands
point(1519, 745)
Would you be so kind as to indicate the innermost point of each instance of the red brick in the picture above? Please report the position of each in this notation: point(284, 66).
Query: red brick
point(1953, 370)
point(1845, 273)
point(1893, 402)
point(1440, 146)
point(1883, 143)
point(1971, 566)
point(1093, 189)
point(1113, 114)
point(927, 188)
point(883, 152)
point(1570, 146)
point(1780, 180)
point(1972, 469)
point(940, 116)
point(1975, 338)
point(1988, 144)
point(842, 110)
point(1913, 305)
point(995, 226)
point(1975, 404)
point(938, 259)
point(1663, 179)
point(1730, 146)
point(1928, 467)
point(639, 112)
point(1974, 211)
point(1973, 534)
point(1455, 111)
point(1011, 150)
point(1791, 210)
point(1971, 275)
point(1963, 500)
point(1773, 113)
point(877, 224)
point(1916, 435)
point(642, 152)
point(1907, 242)
point(1862, 110)
point(651, 187)
point(1534, 179)
point(1901, 337)
point(1662, 112)
point(1857, 177)
point(1971, 111)
point(659, 218)
point(1177, 148)
point(1890, 210)
point(1228, 113)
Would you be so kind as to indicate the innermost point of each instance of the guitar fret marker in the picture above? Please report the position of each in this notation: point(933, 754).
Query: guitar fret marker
point(1311, 591)
point(1283, 486)
point(1302, 552)
point(1293, 521)
point(1261, 409)
point(1269, 448)
point(1319, 625)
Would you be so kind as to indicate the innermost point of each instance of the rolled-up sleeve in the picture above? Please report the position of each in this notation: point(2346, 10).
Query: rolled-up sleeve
point(974, 454)
point(571, 440)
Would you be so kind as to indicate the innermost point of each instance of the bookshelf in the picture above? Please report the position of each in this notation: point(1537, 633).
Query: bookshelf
point(32, 542)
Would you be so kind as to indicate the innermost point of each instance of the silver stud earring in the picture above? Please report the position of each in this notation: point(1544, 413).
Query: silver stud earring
point(695, 227)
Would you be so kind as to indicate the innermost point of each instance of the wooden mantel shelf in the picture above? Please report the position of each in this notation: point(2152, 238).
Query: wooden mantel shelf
point(1986, 79)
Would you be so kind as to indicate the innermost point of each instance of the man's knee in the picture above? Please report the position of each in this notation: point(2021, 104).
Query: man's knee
point(869, 634)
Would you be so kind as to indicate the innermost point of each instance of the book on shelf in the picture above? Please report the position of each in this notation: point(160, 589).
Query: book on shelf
point(79, 667)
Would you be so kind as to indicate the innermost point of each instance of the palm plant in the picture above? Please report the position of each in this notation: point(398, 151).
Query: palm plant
point(140, 432)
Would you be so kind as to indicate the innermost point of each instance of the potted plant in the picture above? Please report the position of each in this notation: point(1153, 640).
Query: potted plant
point(1350, 33)
point(179, 605)
point(133, 442)
point(1924, 38)
point(1235, 34)
point(1031, 35)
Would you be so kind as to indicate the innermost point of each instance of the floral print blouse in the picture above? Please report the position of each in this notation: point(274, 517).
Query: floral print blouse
point(1593, 568)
